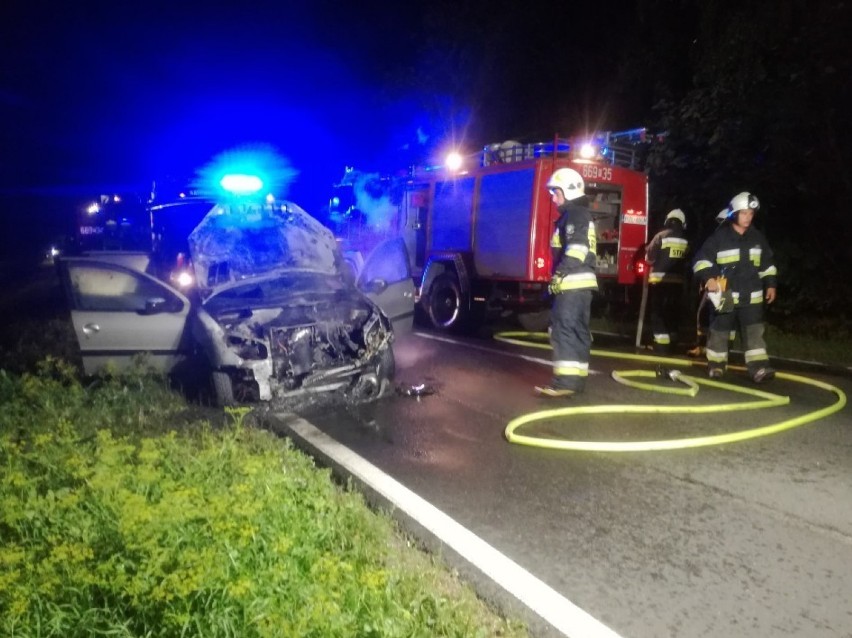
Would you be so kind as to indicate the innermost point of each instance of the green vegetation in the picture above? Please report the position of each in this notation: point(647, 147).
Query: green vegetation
point(743, 109)
point(829, 342)
point(121, 514)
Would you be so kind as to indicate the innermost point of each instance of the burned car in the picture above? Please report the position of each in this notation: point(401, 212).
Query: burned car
point(278, 311)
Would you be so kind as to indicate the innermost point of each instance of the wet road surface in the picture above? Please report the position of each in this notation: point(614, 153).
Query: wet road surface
point(752, 538)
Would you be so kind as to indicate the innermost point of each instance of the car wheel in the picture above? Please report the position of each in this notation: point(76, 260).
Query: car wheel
point(376, 381)
point(446, 305)
point(223, 388)
point(386, 370)
point(534, 321)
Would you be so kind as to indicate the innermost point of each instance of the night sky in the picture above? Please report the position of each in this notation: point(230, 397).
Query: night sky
point(101, 97)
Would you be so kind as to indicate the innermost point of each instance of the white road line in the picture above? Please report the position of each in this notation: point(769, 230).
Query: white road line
point(557, 610)
point(514, 355)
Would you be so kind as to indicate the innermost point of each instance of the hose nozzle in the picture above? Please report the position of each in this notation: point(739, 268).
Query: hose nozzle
point(667, 373)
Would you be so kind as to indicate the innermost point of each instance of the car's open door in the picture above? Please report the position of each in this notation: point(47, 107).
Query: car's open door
point(119, 312)
point(385, 278)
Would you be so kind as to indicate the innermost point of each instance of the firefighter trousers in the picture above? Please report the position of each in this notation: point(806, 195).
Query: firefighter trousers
point(666, 306)
point(748, 321)
point(571, 338)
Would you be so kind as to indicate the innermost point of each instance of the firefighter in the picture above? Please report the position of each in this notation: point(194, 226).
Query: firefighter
point(736, 263)
point(666, 253)
point(702, 314)
point(572, 284)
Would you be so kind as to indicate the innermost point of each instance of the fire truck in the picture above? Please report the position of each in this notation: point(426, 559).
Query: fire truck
point(478, 230)
point(147, 232)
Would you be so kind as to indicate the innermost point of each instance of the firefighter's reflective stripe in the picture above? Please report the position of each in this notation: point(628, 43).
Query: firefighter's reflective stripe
point(754, 255)
point(570, 369)
point(772, 271)
point(555, 242)
point(662, 338)
point(578, 281)
point(592, 238)
point(731, 256)
point(745, 258)
point(715, 356)
point(702, 264)
point(577, 251)
point(757, 354)
point(666, 253)
point(756, 296)
point(676, 246)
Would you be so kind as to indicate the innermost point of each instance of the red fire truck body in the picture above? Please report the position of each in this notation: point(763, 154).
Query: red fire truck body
point(479, 236)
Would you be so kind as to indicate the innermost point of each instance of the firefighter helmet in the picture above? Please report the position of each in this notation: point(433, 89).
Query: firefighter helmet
point(722, 215)
point(743, 201)
point(677, 214)
point(569, 181)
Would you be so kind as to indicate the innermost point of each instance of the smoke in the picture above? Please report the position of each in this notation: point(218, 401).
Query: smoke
point(373, 198)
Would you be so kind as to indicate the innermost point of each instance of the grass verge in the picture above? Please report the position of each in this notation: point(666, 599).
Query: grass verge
point(832, 347)
point(121, 516)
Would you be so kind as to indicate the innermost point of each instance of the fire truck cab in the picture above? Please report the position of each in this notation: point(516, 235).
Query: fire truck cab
point(478, 232)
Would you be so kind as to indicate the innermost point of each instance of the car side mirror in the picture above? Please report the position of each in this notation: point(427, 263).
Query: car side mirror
point(375, 286)
point(154, 306)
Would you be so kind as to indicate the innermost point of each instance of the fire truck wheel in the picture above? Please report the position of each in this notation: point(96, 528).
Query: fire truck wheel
point(447, 306)
point(534, 321)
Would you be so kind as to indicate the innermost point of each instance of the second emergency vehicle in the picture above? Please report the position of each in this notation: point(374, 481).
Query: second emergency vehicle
point(478, 230)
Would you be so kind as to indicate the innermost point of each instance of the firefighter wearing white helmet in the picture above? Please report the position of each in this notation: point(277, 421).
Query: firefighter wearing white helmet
point(573, 243)
point(702, 314)
point(737, 264)
point(666, 253)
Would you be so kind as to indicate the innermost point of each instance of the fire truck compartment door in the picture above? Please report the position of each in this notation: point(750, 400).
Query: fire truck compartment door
point(503, 220)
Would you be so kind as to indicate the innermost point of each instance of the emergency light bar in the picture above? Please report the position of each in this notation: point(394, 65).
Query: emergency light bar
point(241, 184)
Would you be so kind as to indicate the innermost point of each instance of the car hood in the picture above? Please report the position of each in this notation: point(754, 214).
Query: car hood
point(287, 287)
point(241, 240)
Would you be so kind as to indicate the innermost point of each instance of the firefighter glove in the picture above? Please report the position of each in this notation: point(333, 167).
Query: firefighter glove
point(555, 286)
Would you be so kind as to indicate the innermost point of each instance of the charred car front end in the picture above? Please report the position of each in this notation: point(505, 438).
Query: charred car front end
point(284, 336)
point(279, 310)
point(281, 313)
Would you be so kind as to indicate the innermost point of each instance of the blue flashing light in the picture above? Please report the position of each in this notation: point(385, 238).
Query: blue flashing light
point(241, 184)
point(251, 171)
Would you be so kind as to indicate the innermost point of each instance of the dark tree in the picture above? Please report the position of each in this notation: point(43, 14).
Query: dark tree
point(755, 96)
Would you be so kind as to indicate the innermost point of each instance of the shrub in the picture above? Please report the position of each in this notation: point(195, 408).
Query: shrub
point(111, 524)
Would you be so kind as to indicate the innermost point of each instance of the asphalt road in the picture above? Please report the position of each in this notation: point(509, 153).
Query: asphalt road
point(752, 538)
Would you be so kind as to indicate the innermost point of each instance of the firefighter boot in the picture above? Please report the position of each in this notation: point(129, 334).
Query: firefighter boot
point(763, 375)
point(757, 361)
point(717, 354)
point(553, 392)
point(715, 372)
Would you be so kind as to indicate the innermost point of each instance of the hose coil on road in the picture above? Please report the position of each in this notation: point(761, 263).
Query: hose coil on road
point(691, 385)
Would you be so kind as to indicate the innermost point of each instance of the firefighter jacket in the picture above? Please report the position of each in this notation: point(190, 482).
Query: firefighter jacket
point(666, 253)
point(746, 261)
point(574, 243)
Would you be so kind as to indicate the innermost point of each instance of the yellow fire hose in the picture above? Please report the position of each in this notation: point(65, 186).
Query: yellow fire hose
point(691, 386)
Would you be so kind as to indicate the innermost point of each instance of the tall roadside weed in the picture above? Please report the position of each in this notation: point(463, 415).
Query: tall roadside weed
point(113, 522)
